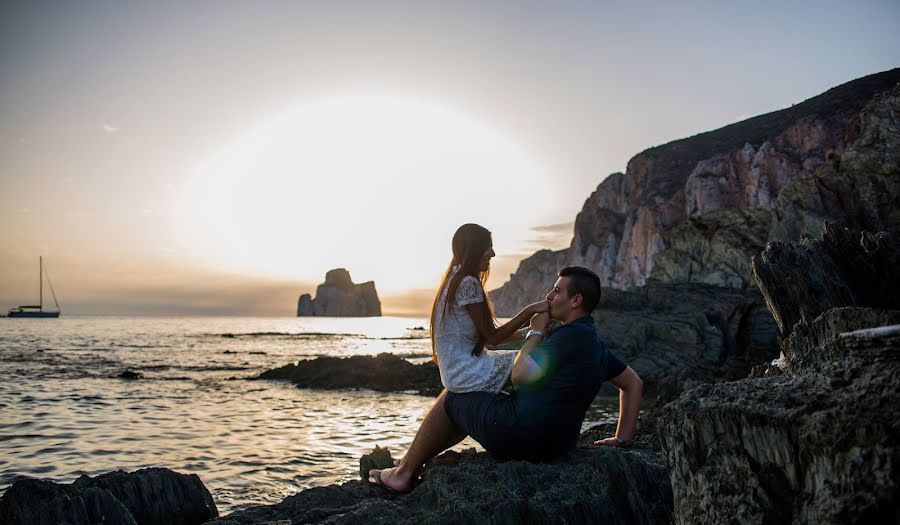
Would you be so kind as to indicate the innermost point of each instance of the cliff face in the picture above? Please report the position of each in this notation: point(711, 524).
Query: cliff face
point(749, 165)
point(338, 296)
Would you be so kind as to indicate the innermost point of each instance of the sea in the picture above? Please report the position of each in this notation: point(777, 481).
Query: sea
point(65, 412)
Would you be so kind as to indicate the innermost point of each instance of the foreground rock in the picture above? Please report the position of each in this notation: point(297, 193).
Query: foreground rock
point(338, 296)
point(384, 373)
point(152, 496)
point(591, 485)
point(820, 443)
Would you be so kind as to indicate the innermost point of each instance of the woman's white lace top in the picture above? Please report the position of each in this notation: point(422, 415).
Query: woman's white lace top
point(455, 336)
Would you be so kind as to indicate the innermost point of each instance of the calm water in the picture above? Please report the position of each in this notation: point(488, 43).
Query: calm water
point(63, 411)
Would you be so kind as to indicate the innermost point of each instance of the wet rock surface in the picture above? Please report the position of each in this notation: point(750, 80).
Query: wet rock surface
point(152, 496)
point(819, 443)
point(590, 485)
point(384, 373)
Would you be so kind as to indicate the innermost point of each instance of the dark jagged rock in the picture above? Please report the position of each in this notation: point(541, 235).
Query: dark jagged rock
point(379, 458)
point(338, 296)
point(157, 495)
point(39, 502)
point(151, 496)
point(130, 374)
point(802, 280)
point(384, 372)
point(811, 448)
point(590, 485)
point(814, 347)
point(819, 443)
point(678, 335)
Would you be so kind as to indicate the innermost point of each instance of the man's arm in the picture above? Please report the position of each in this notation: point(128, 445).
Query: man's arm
point(631, 389)
point(526, 368)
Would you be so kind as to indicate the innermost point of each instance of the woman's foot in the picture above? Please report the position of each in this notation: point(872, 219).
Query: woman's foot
point(392, 479)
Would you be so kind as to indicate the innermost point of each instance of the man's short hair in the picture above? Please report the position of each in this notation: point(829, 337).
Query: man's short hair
point(585, 282)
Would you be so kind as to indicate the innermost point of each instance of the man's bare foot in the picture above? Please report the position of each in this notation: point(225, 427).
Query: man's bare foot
point(391, 479)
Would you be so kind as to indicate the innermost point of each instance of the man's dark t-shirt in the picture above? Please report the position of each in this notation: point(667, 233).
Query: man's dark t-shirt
point(541, 420)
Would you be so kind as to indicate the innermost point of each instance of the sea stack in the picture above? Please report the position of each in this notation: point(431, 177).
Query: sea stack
point(338, 296)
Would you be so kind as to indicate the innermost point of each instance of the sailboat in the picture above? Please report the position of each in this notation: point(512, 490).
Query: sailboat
point(37, 310)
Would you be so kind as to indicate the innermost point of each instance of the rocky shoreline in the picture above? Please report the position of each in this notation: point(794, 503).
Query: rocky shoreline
point(814, 440)
point(779, 360)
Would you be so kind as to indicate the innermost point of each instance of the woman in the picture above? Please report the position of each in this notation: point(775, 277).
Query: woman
point(462, 325)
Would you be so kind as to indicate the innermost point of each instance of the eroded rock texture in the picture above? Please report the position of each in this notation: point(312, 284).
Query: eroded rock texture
point(591, 485)
point(152, 496)
point(818, 444)
point(338, 296)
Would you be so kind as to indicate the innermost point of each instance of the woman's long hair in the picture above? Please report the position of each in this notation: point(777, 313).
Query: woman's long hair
point(469, 244)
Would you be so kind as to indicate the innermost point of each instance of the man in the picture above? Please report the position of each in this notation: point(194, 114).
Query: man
point(555, 378)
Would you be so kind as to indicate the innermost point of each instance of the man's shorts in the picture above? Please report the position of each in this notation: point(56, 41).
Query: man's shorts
point(491, 420)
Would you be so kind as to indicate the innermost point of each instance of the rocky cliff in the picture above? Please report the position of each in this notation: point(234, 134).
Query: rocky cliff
point(820, 441)
point(664, 198)
point(338, 296)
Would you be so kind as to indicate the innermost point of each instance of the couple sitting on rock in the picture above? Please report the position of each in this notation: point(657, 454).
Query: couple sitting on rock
point(528, 404)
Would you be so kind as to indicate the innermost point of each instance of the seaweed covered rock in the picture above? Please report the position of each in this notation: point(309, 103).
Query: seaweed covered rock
point(384, 373)
point(153, 496)
point(820, 443)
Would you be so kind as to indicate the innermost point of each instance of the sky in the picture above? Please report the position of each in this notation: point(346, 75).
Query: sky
point(217, 158)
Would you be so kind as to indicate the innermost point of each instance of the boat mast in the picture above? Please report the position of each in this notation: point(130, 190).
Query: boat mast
point(41, 280)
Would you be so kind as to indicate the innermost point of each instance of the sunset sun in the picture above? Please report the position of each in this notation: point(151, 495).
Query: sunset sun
point(373, 183)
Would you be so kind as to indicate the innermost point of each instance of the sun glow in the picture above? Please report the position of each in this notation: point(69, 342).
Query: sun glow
point(373, 183)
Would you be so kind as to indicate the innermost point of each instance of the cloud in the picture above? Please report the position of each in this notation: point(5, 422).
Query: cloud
point(551, 236)
point(562, 228)
point(109, 128)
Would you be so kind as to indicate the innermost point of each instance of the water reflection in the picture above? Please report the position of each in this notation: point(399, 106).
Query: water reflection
point(65, 413)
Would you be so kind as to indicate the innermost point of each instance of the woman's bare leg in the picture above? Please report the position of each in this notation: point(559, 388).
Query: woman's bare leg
point(436, 434)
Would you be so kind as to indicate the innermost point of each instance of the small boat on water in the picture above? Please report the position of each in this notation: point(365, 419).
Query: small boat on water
point(37, 310)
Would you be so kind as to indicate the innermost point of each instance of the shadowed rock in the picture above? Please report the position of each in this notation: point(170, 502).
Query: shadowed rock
point(590, 485)
point(678, 335)
point(802, 280)
point(384, 372)
point(152, 496)
point(820, 443)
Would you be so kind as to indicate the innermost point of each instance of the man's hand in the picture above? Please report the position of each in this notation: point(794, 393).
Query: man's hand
point(540, 321)
point(612, 442)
